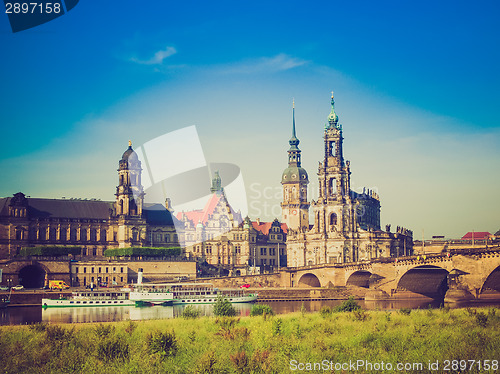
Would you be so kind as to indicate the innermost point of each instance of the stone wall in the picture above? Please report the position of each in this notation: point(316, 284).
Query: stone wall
point(161, 271)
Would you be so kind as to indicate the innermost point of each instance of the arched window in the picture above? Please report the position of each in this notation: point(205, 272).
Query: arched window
point(135, 234)
point(332, 188)
point(333, 149)
point(72, 235)
point(93, 235)
point(42, 234)
point(83, 235)
point(64, 234)
point(333, 219)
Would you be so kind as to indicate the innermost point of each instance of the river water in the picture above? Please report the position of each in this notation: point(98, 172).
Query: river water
point(33, 314)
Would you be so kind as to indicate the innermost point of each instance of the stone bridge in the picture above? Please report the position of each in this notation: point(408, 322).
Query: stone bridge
point(31, 273)
point(476, 270)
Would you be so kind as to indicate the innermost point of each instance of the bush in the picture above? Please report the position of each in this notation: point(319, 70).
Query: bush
point(360, 315)
point(102, 330)
point(208, 364)
point(405, 311)
point(112, 348)
point(348, 306)
point(144, 251)
point(241, 362)
point(481, 319)
point(162, 343)
point(56, 333)
point(223, 308)
point(261, 309)
point(325, 311)
point(52, 250)
point(39, 326)
point(190, 311)
point(131, 326)
point(277, 326)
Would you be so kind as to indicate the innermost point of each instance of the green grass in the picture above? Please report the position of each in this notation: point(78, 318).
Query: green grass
point(252, 344)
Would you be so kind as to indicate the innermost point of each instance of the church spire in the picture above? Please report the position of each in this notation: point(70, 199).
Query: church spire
point(294, 142)
point(216, 184)
point(294, 151)
point(333, 119)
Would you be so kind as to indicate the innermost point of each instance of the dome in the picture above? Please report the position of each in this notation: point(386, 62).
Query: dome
point(333, 117)
point(129, 154)
point(294, 174)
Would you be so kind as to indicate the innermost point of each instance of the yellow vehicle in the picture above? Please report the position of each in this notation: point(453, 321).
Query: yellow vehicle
point(58, 285)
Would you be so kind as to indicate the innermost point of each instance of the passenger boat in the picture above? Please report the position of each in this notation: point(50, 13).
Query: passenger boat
point(151, 294)
point(205, 293)
point(90, 298)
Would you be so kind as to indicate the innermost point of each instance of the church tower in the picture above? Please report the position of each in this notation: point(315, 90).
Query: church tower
point(129, 192)
point(295, 208)
point(333, 210)
point(130, 201)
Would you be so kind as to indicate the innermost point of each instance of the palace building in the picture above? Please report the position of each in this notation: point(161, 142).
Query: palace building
point(220, 237)
point(346, 224)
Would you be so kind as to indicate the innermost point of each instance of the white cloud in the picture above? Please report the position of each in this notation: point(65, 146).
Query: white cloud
point(273, 64)
point(158, 57)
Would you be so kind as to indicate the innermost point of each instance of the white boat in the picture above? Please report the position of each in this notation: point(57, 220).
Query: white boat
point(151, 294)
point(90, 298)
point(205, 293)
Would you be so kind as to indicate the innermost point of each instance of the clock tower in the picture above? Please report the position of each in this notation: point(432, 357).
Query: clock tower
point(295, 208)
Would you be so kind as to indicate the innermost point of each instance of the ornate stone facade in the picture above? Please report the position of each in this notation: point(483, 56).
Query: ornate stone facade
point(346, 226)
point(217, 235)
point(91, 224)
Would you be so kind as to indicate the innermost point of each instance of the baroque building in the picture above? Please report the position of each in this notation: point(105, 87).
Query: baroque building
point(346, 224)
point(93, 225)
point(218, 236)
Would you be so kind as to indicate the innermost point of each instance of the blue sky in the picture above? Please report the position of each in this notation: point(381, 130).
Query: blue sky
point(416, 87)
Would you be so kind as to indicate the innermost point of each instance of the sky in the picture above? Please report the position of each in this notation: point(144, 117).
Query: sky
point(415, 83)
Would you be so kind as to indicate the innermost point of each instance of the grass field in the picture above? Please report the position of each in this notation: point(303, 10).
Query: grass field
point(321, 342)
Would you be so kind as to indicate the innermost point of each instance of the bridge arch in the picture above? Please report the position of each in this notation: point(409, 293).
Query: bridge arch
point(309, 280)
point(360, 278)
point(427, 280)
point(32, 275)
point(492, 281)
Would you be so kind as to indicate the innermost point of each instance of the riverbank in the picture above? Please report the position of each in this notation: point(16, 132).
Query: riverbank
point(260, 345)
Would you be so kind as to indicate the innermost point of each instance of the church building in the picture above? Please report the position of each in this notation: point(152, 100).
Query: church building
point(91, 224)
point(346, 224)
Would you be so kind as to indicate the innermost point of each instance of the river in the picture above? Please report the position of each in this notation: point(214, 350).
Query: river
point(31, 314)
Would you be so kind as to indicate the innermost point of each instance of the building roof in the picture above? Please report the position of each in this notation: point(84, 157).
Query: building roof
point(480, 235)
point(155, 214)
point(202, 215)
point(62, 208)
point(264, 227)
